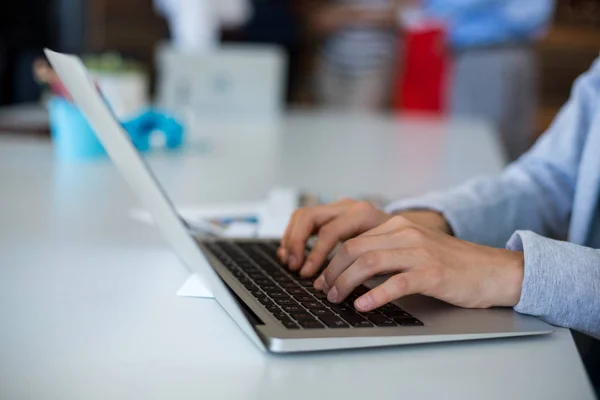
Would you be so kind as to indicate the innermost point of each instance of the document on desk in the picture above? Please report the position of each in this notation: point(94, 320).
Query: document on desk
point(261, 219)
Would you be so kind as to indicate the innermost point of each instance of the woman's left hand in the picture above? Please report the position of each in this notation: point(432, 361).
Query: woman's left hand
point(423, 261)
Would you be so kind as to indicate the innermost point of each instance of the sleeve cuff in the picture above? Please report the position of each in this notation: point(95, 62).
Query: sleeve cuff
point(521, 241)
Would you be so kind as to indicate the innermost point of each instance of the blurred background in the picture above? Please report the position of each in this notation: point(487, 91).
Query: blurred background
point(370, 64)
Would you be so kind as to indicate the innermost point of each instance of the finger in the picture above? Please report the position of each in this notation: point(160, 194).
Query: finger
point(282, 251)
point(400, 285)
point(305, 224)
point(371, 264)
point(352, 249)
point(348, 253)
point(358, 218)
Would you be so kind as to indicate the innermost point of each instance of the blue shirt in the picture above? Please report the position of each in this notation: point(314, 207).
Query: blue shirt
point(489, 22)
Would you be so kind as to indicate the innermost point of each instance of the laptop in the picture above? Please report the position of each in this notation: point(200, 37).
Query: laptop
point(279, 311)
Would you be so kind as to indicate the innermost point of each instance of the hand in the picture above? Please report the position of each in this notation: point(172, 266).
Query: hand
point(333, 223)
point(424, 261)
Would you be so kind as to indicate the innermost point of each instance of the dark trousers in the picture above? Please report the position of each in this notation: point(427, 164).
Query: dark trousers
point(589, 349)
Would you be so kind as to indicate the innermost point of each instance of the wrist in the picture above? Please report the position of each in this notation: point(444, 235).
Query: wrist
point(510, 271)
point(428, 218)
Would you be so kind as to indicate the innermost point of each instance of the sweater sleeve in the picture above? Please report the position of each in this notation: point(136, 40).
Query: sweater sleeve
point(561, 282)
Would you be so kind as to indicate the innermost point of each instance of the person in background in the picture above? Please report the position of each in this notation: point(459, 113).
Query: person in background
point(358, 52)
point(495, 74)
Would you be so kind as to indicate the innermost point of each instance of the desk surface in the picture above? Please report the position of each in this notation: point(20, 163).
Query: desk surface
point(87, 295)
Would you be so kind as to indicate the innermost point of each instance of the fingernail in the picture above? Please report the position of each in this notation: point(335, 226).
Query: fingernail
point(282, 254)
point(293, 262)
point(363, 303)
point(332, 296)
point(319, 283)
point(306, 268)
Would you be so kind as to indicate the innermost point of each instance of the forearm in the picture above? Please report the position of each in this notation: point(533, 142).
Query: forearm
point(489, 210)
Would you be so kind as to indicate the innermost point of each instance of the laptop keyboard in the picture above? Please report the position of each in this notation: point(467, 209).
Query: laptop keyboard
point(293, 300)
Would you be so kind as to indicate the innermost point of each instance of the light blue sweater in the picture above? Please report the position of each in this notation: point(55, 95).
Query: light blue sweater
point(547, 204)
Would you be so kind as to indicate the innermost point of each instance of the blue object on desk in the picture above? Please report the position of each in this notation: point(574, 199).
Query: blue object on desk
point(72, 136)
point(74, 139)
point(150, 122)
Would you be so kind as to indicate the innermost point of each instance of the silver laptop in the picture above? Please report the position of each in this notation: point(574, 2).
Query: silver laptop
point(277, 310)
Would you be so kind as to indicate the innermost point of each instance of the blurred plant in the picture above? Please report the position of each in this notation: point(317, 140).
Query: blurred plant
point(112, 63)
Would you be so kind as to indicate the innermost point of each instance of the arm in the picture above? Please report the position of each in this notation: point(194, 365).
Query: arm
point(535, 193)
point(561, 282)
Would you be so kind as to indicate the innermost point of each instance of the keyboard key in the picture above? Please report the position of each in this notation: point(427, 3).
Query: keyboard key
point(280, 315)
point(262, 298)
point(397, 312)
point(263, 282)
point(285, 302)
point(381, 320)
point(308, 283)
point(321, 312)
point(296, 291)
point(290, 308)
point(301, 315)
point(311, 324)
point(341, 308)
point(408, 321)
point(333, 322)
point(265, 301)
point(356, 320)
point(313, 305)
point(273, 308)
point(238, 274)
point(278, 294)
point(304, 298)
point(251, 287)
point(320, 295)
point(288, 323)
point(283, 279)
point(290, 285)
point(362, 324)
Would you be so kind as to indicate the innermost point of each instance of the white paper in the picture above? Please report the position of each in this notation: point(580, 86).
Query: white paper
point(276, 214)
point(273, 215)
point(241, 230)
point(195, 287)
point(207, 211)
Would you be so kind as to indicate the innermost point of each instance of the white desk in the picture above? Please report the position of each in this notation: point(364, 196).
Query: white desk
point(87, 296)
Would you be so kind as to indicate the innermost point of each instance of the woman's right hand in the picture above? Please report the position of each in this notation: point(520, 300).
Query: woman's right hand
point(332, 223)
point(335, 223)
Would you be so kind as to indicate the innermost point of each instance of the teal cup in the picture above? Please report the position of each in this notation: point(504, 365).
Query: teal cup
point(72, 137)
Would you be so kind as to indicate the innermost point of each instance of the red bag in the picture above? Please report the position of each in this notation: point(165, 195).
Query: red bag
point(423, 80)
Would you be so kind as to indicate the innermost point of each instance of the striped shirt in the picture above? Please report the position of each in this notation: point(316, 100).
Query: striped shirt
point(356, 50)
